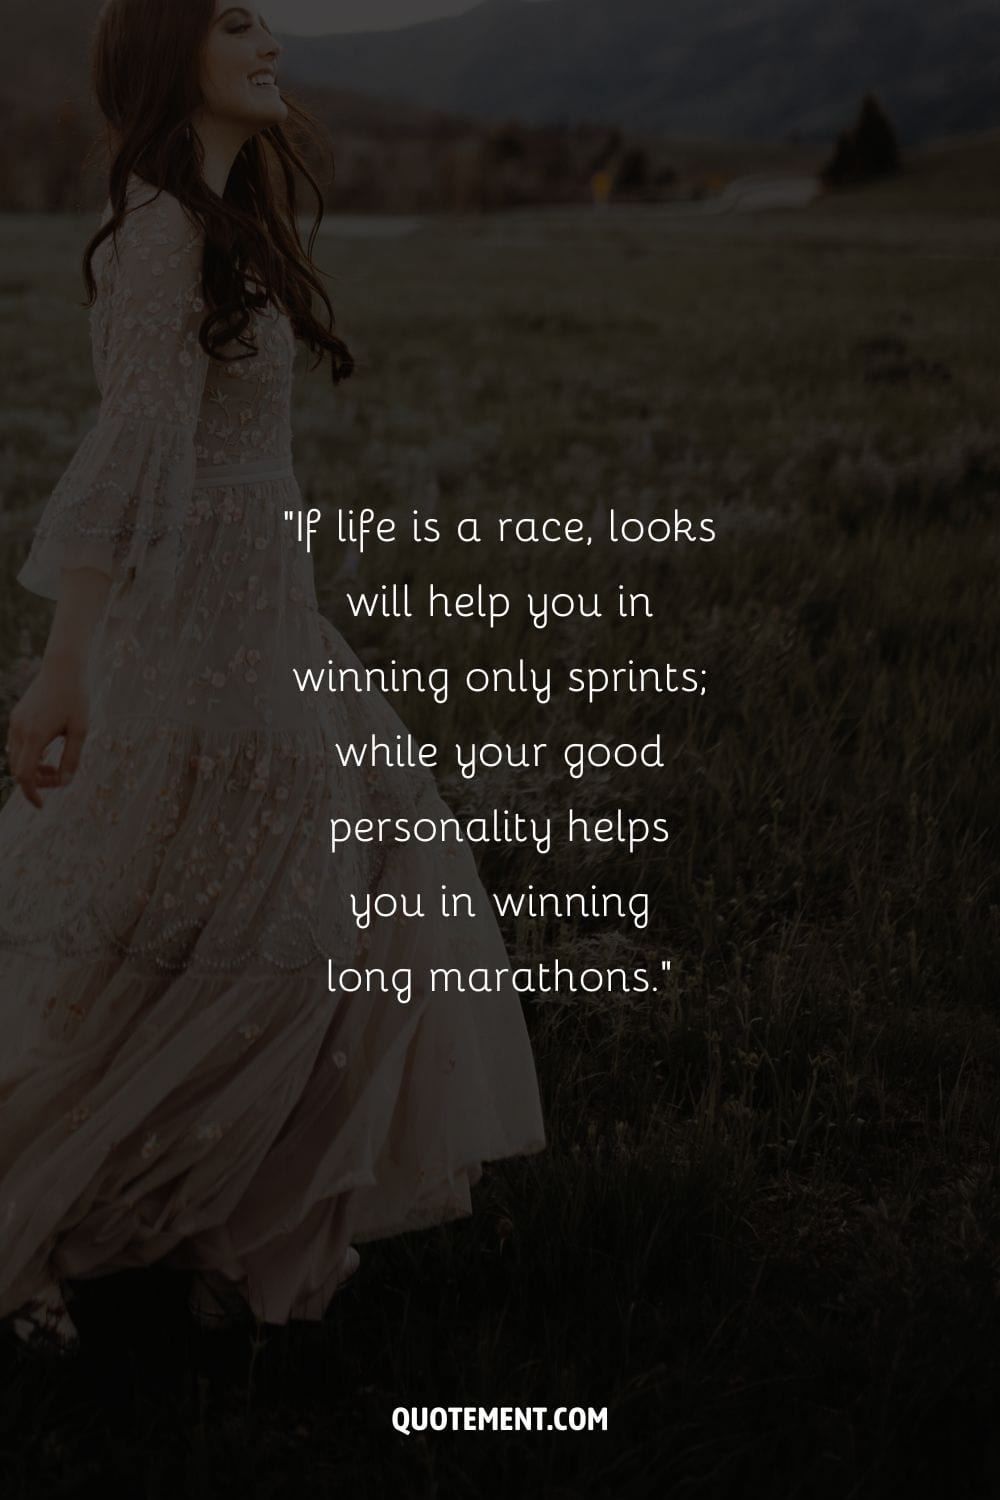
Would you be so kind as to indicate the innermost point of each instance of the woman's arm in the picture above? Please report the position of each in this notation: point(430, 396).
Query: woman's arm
point(120, 505)
point(57, 701)
point(82, 600)
point(114, 518)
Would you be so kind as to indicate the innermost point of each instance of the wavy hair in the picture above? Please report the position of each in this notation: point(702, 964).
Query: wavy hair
point(144, 72)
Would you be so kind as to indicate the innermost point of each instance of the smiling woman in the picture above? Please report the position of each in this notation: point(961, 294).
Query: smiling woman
point(177, 1083)
point(227, 148)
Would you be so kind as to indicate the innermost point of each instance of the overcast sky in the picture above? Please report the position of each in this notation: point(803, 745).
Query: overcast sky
point(310, 17)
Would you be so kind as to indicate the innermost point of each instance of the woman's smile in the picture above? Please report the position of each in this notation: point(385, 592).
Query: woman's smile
point(240, 56)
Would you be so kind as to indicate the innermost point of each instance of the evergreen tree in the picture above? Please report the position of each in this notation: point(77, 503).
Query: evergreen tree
point(870, 149)
point(875, 140)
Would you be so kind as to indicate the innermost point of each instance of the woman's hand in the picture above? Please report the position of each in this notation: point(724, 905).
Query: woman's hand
point(55, 704)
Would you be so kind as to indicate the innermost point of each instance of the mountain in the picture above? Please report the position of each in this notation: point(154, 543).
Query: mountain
point(725, 69)
point(728, 69)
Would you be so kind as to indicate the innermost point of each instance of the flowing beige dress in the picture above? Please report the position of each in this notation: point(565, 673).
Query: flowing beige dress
point(178, 1084)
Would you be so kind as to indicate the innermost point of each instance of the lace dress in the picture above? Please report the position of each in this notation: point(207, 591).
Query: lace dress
point(178, 1082)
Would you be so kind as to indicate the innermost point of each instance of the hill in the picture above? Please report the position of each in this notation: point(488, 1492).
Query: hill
point(733, 69)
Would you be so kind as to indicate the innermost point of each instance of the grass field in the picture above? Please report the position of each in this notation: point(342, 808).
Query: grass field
point(766, 1232)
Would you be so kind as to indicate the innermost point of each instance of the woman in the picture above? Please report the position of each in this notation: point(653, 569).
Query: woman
point(180, 1080)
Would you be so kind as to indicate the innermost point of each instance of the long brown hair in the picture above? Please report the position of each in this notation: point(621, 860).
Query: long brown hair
point(144, 68)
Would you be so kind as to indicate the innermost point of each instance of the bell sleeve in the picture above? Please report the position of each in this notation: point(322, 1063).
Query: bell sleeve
point(120, 505)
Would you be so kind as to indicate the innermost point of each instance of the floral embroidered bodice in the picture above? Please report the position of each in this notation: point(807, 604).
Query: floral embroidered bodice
point(148, 360)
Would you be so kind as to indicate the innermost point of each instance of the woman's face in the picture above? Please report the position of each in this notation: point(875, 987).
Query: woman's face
point(238, 67)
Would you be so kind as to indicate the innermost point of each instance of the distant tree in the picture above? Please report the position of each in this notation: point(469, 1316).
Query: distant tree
point(550, 153)
point(869, 150)
point(875, 140)
point(507, 142)
point(633, 170)
point(607, 152)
